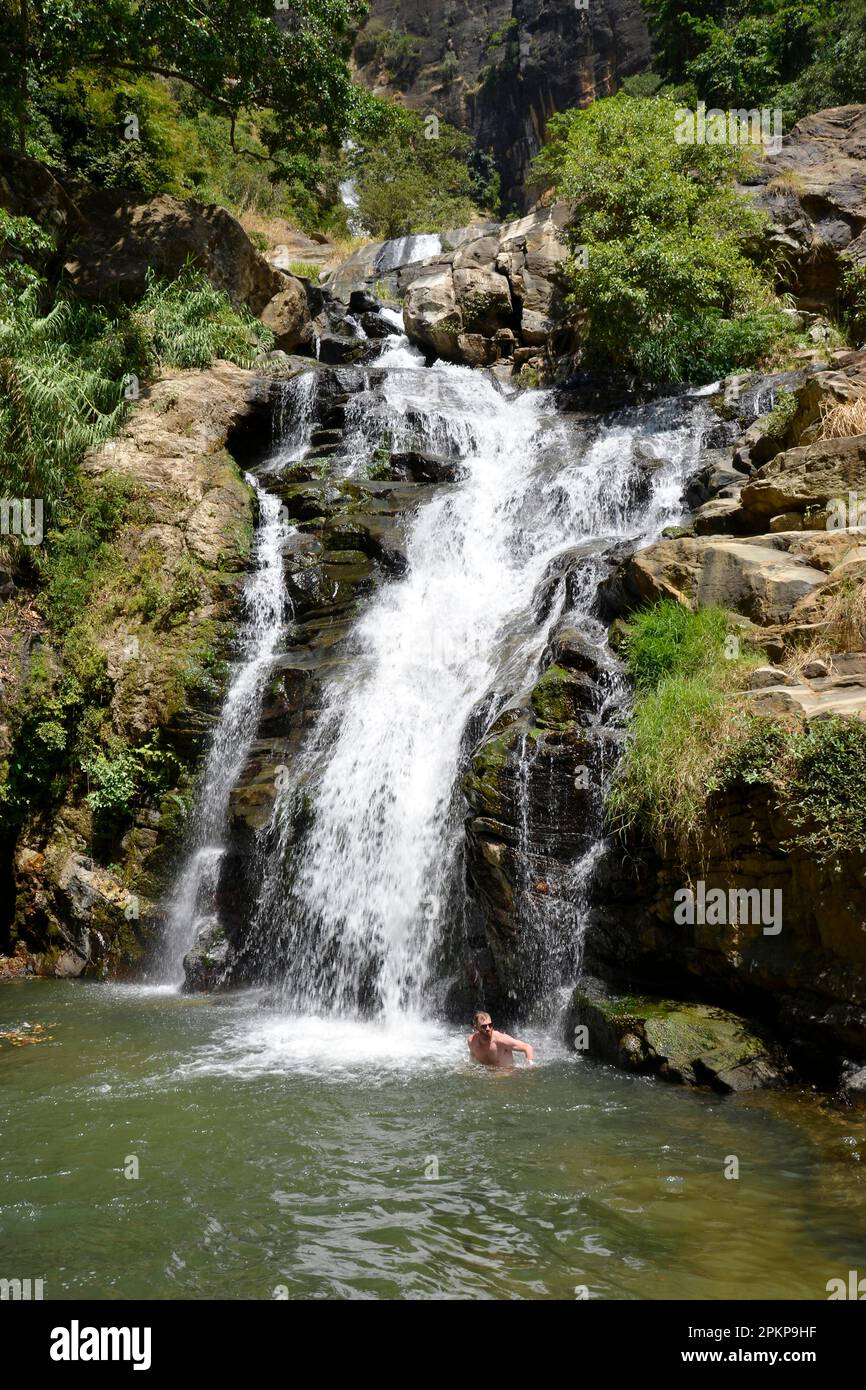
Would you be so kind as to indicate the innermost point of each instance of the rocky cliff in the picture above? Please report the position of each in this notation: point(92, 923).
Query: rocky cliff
point(501, 70)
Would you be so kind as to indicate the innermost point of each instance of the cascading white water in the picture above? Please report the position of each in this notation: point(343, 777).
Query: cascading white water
point(458, 633)
point(191, 904)
point(407, 250)
point(293, 421)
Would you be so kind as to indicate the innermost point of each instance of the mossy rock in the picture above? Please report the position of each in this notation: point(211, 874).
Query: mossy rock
point(692, 1044)
point(562, 698)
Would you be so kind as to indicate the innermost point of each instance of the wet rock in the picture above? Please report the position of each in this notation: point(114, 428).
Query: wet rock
point(340, 347)
point(690, 1044)
point(204, 966)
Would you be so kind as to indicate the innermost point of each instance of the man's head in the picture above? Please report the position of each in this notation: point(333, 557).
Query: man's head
point(483, 1024)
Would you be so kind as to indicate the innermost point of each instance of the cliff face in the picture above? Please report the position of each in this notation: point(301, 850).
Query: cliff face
point(501, 69)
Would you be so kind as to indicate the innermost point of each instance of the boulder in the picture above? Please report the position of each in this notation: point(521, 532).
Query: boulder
point(757, 578)
point(205, 964)
point(493, 295)
point(431, 315)
point(805, 479)
point(108, 239)
point(126, 235)
point(484, 299)
point(287, 314)
point(691, 1044)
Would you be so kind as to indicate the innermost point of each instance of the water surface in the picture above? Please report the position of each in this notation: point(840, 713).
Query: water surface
point(300, 1156)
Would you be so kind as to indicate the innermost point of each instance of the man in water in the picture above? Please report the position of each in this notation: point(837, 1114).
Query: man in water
point(496, 1049)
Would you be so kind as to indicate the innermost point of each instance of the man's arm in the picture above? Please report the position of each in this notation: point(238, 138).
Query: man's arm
point(516, 1045)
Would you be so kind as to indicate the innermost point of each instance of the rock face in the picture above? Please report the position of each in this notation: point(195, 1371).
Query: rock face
point(493, 295)
point(691, 1044)
point(108, 239)
point(806, 979)
point(814, 193)
point(187, 542)
point(502, 72)
point(761, 578)
point(533, 816)
point(805, 480)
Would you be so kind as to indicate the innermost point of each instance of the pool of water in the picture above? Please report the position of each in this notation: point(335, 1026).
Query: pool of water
point(314, 1158)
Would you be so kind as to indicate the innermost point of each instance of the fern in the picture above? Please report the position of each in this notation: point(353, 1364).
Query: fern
point(62, 371)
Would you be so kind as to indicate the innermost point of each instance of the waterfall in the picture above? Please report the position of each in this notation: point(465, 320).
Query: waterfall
point(191, 904)
point(360, 864)
point(407, 250)
point(293, 420)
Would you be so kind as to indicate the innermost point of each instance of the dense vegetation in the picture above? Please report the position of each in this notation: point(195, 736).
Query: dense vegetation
point(798, 55)
point(66, 371)
point(691, 738)
point(684, 721)
point(423, 176)
point(661, 265)
point(238, 56)
point(248, 105)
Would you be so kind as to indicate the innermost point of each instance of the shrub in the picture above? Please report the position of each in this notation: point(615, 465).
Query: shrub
point(664, 277)
point(825, 794)
point(407, 183)
point(667, 639)
point(63, 371)
point(56, 398)
point(113, 782)
point(187, 323)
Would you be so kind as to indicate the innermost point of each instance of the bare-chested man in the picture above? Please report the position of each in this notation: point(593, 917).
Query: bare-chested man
point(495, 1049)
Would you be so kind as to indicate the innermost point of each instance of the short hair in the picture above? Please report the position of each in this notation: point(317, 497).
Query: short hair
point(481, 1016)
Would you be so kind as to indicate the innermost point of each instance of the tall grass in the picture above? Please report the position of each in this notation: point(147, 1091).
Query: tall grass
point(187, 323)
point(685, 721)
point(63, 371)
point(56, 397)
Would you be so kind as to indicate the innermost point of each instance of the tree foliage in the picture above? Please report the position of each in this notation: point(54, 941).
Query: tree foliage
point(239, 56)
point(65, 372)
point(662, 273)
point(418, 177)
point(800, 55)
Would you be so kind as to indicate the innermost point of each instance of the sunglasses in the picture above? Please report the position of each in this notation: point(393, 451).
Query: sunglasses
point(485, 1027)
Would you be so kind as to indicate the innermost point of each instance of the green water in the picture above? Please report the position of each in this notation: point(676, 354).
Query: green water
point(301, 1154)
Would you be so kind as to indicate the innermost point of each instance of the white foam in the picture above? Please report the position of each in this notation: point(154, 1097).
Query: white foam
point(331, 1047)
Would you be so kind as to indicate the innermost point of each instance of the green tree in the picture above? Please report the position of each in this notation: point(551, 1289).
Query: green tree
point(662, 272)
point(801, 55)
point(237, 55)
point(417, 177)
